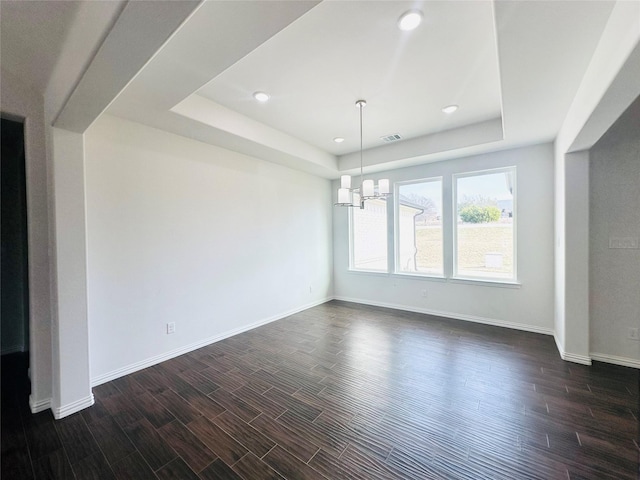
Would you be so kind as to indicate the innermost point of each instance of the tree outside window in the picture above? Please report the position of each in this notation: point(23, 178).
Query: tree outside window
point(484, 227)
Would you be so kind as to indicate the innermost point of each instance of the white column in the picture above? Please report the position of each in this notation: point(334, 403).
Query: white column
point(608, 87)
point(576, 258)
point(71, 375)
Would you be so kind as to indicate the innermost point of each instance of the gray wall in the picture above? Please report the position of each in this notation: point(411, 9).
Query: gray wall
point(615, 213)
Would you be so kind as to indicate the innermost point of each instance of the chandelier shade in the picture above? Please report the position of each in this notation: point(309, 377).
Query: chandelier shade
point(349, 196)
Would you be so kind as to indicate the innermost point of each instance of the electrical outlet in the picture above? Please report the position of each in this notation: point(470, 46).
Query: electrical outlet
point(310, 288)
point(633, 334)
point(425, 294)
point(171, 328)
point(623, 242)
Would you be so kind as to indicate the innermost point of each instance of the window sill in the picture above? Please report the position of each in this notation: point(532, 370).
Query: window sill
point(486, 282)
point(419, 276)
point(368, 272)
point(482, 282)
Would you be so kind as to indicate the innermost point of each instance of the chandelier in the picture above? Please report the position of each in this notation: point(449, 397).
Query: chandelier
point(355, 197)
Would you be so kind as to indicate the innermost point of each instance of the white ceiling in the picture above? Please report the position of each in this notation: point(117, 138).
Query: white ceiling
point(339, 52)
point(512, 66)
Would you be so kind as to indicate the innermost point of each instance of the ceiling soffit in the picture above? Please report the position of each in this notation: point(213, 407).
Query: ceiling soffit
point(316, 59)
point(339, 52)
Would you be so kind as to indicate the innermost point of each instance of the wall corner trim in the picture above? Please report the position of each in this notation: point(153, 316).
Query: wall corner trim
point(571, 357)
point(37, 406)
point(73, 407)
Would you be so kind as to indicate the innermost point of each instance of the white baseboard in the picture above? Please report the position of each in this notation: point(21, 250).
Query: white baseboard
point(134, 367)
point(571, 357)
point(39, 405)
point(456, 316)
point(558, 346)
point(623, 361)
point(73, 407)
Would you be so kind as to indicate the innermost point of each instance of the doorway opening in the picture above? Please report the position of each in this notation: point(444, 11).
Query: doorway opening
point(14, 308)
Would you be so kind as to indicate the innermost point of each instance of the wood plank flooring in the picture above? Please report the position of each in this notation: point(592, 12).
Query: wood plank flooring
point(343, 391)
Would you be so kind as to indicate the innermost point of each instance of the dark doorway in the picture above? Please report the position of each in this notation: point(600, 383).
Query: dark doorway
point(14, 308)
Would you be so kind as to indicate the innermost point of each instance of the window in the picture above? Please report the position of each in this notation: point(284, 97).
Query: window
point(484, 227)
point(466, 232)
point(369, 236)
point(419, 247)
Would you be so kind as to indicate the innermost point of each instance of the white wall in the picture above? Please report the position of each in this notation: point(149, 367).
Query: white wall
point(559, 250)
point(529, 307)
point(614, 212)
point(608, 87)
point(185, 232)
point(609, 84)
point(71, 380)
point(19, 100)
point(576, 261)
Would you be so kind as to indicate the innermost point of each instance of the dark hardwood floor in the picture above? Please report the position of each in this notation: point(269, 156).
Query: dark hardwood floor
point(343, 391)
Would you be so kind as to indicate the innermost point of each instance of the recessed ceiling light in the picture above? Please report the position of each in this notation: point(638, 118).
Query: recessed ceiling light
point(338, 139)
point(261, 96)
point(410, 20)
point(450, 108)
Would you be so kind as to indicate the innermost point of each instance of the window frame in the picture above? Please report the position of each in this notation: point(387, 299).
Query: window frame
point(352, 267)
point(396, 227)
point(454, 204)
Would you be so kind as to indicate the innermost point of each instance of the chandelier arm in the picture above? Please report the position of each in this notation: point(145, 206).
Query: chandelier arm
point(361, 105)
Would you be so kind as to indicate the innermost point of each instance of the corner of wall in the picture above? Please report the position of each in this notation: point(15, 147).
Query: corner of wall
point(571, 357)
point(39, 405)
point(19, 98)
point(607, 85)
point(61, 411)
